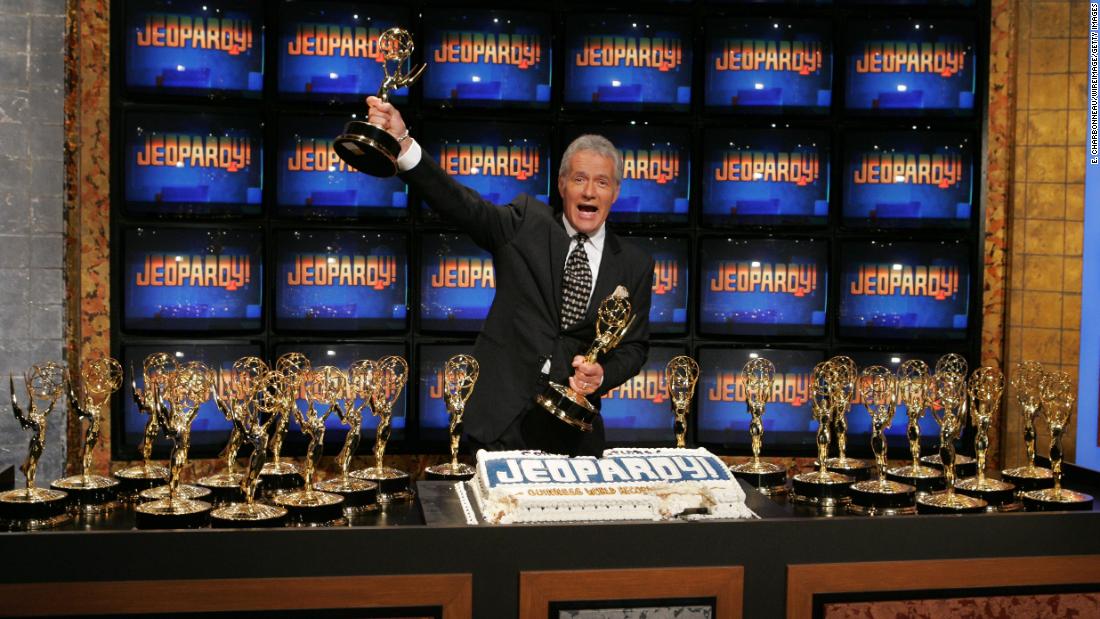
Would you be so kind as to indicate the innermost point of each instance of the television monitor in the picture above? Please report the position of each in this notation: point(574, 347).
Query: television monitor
point(487, 58)
point(766, 177)
point(769, 65)
point(342, 355)
point(499, 161)
point(312, 182)
point(639, 411)
point(911, 178)
point(195, 163)
point(435, 420)
point(328, 51)
point(904, 290)
point(668, 312)
point(457, 283)
point(763, 287)
point(656, 185)
point(340, 280)
point(210, 429)
point(193, 280)
point(723, 416)
point(194, 47)
point(627, 61)
point(859, 420)
point(911, 66)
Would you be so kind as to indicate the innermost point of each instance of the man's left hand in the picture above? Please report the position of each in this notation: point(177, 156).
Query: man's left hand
point(587, 377)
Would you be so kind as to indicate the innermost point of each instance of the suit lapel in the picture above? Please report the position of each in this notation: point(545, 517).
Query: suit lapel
point(608, 277)
point(559, 245)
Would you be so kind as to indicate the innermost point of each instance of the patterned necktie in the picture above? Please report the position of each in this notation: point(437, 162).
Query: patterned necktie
point(577, 284)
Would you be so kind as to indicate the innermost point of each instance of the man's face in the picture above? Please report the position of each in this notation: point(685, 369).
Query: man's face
point(588, 191)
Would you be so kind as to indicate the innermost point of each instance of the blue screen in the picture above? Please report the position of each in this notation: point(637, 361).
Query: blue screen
point(435, 421)
point(904, 290)
point(187, 279)
point(639, 411)
point(772, 64)
point(765, 177)
point(914, 65)
point(908, 179)
point(457, 283)
point(656, 184)
point(193, 164)
point(195, 47)
point(311, 181)
point(628, 61)
point(668, 312)
point(329, 280)
point(763, 286)
point(487, 58)
point(329, 50)
point(723, 416)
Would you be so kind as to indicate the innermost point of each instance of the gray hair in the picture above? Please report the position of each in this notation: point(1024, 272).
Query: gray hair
point(597, 144)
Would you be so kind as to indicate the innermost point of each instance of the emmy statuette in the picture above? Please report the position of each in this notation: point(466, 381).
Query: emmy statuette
point(279, 476)
point(822, 488)
point(156, 369)
point(1026, 382)
point(359, 495)
point(965, 466)
point(681, 374)
point(844, 375)
point(225, 487)
point(459, 375)
point(985, 387)
point(758, 376)
point(390, 374)
point(914, 391)
point(880, 496)
point(1059, 399)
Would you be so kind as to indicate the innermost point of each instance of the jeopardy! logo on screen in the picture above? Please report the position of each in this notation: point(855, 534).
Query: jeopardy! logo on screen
point(457, 283)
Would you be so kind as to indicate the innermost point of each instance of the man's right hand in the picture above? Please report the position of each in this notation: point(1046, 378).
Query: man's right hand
point(383, 114)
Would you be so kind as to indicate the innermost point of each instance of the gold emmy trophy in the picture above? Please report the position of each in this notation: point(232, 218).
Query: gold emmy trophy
point(914, 391)
point(253, 413)
point(187, 389)
point(965, 466)
point(279, 476)
point(359, 495)
point(949, 411)
point(459, 375)
point(99, 378)
point(823, 488)
point(370, 148)
point(880, 496)
point(845, 374)
point(985, 387)
point(230, 395)
point(390, 374)
point(33, 507)
point(681, 374)
point(1059, 399)
point(758, 376)
point(309, 506)
point(1026, 381)
point(613, 318)
point(155, 370)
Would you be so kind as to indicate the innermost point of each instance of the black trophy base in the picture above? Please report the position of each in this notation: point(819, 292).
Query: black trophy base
point(33, 508)
point(359, 495)
point(310, 508)
point(826, 491)
point(224, 488)
point(247, 516)
point(393, 485)
point(950, 503)
point(172, 514)
point(1051, 500)
point(998, 495)
point(858, 470)
point(965, 466)
point(449, 472)
point(368, 148)
point(92, 494)
point(882, 498)
point(1027, 479)
point(134, 480)
point(568, 406)
point(767, 478)
point(924, 478)
point(277, 481)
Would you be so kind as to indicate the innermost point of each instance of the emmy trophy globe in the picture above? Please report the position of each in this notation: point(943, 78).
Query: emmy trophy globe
point(758, 377)
point(33, 507)
point(367, 147)
point(459, 376)
point(681, 374)
point(155, 370)
point(1026, 382)
point(1059, 399)
point(844, 377)
point(613, 319)
point(279, 476)
point(914, 392)
point(229, 396)
point(822, 488)
point(359, 495)
point(880, 496)
point(985, 387)
point(99, 378)
point(390, 375)
point(965, 466)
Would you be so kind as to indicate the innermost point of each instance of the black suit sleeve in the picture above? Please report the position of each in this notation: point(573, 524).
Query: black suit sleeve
point(626, 360)
point(490, 226)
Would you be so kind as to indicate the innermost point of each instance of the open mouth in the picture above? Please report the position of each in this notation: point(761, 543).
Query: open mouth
point(588, 208)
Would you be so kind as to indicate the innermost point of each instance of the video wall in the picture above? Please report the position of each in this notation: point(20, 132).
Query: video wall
point(804, 174)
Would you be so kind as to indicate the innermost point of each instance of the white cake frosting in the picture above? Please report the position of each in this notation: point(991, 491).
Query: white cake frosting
point(625, 484)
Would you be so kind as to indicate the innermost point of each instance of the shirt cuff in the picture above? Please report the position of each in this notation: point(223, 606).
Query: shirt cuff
point(411, 157)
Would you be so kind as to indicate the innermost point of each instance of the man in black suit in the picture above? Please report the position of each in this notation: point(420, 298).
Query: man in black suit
point(552, 270)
